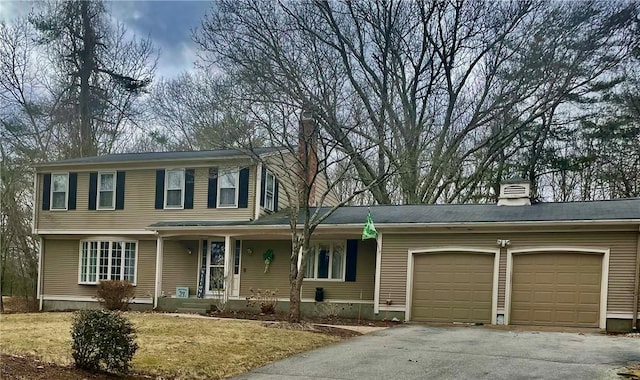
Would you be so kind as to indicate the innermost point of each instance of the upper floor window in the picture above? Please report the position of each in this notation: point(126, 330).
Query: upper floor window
point(59, 191)
point(228, 188)
point(174, 188)
point(106, 191)
point(326, 261)
point(270, 188)
point(107, 260)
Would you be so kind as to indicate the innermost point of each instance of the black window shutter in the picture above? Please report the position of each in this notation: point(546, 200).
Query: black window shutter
point(352, 259)
point(263, 188)
point(243, 191)
point(159, 189)
point(93, 188)
point(212, 191)
point(120, 176)
point(73, 191)
point(46, 191)
point(188, 188)
point(276, 190)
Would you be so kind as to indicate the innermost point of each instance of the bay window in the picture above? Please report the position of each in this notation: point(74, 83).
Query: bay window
point(107, 260)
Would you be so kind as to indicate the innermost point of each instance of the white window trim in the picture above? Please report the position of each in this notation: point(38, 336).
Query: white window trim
point(237, 184)
point(113, 199)
point(110, 240)
point(314, 252)
point(166, 188)
point(266, 186)
point(66, 193)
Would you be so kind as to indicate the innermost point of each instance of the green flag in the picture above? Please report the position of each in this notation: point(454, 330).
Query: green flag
point(369, 230)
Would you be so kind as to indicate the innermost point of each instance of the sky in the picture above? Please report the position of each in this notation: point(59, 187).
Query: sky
point(168, 24)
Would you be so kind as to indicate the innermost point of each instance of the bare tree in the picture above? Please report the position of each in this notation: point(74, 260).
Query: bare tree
point(442, 89)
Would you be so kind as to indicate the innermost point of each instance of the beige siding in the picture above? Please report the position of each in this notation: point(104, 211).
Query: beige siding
point(363, 285)
point(139, 205)
point(253, 276)
point(322, 189)
point(622, 247)
point(61, 265)
point(179, 268)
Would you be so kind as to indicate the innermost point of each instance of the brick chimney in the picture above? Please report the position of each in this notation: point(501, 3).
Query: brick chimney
point(308, 152)
point(515, 192)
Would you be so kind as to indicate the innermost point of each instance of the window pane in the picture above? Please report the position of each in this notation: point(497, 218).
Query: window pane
point(323, 261)
point(311, 260)
point(104, 261)
point(228, 197)
point(59, 182)
point(236, 259)
point(106, 182)
point(174, 179)
point(83, 266)
point(336, 261)
point(116, 260)
point(216, 278)
point(174, 198)
point(270, 183)
point(228, 180)
point(93, 260)
point(106, 199)
point(217, 254)
point(129, 261)
point(58, 201)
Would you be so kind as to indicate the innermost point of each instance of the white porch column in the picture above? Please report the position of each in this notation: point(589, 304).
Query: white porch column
point(40, 274)
point(376, 293)
point(158, 282)
point(228, 265)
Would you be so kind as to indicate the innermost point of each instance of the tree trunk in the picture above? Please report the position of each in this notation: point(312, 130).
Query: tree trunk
point(294, 303)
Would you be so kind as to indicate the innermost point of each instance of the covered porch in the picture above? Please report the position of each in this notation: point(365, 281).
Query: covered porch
point(204, 269)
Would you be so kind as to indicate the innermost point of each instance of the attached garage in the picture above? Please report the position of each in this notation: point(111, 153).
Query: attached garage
point(453, 286)
point(556, 288)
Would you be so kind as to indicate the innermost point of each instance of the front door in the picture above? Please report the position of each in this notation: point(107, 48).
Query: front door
point(215, 269)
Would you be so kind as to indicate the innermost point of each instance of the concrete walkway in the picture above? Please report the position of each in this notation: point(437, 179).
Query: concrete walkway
point(424, 352)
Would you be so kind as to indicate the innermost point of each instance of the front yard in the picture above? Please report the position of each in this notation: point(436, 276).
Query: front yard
point(169, 346)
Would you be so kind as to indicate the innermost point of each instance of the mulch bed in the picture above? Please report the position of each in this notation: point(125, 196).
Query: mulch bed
point(281, 317)
point(23, 367)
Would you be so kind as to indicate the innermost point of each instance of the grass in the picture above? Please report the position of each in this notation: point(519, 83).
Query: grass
point(169, 346)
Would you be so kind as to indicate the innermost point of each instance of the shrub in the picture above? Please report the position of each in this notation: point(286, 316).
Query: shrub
point(102, 340)
point(266, 299)
point(115, 294)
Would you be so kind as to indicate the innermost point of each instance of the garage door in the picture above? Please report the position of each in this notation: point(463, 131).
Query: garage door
point(556, 288)
point(452, 287)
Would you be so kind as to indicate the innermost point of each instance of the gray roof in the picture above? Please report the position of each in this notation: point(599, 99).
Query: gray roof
point(162, 156)
point(622, 209)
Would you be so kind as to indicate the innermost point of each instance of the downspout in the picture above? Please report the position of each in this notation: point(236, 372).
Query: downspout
point(636, 288)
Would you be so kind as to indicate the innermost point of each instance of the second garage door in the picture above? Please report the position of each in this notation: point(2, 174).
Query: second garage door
point(556, 288)
point(452, 287)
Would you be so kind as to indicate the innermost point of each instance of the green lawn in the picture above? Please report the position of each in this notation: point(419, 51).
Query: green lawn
point(171, 346)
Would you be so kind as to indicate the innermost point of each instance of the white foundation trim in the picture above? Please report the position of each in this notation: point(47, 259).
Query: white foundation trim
point(496, 266)
point(604, 278)
point(621, 315)
point(146, 301)
point(393, 308)
point(376, 293)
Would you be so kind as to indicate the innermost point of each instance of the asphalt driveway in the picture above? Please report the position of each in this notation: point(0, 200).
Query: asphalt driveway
point(423, 352)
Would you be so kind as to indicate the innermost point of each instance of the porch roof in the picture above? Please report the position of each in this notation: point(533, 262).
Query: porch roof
point(621, 210)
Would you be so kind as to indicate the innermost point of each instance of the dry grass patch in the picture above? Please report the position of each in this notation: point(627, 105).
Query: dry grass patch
point(171, 346)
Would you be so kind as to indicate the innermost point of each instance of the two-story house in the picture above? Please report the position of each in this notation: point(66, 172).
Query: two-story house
point(190, 227)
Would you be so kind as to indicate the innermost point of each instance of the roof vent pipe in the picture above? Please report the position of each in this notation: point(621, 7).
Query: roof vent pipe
point(515, 192)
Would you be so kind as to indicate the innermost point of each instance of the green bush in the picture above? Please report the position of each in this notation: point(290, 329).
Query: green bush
point(102, 340)
point(115, 294)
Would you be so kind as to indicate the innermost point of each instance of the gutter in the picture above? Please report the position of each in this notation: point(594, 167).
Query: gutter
point(405, 225)
point(636, 288)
